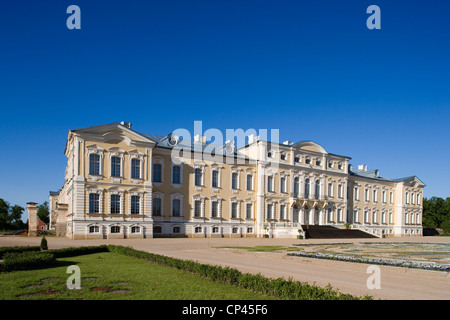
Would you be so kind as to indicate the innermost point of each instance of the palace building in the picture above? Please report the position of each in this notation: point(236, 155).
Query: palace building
point(120, 183)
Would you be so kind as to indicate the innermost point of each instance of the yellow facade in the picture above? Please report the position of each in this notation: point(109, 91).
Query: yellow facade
point(123, 184)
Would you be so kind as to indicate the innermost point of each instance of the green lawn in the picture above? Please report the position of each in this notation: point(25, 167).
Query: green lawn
point(110, 275)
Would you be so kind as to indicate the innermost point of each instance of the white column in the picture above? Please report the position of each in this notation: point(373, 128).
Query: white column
point(260, 200)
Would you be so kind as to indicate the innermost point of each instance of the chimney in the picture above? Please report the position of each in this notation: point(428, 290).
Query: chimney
point(126, 124)
point(199, 138)
point(229, 146)
point(362, 167)
point(252, 138)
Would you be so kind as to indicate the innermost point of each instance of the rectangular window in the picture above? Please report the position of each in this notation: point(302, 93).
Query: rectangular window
point(330, 189)
point(384, 196)
point(282, 212)
point(135, 168)
point(249, 209)
point(94, 203)
point(391, 197)
point(234, 212)
point(197, 208)
point(198, 177)
point(215, 179)
point(249, 182)
point(407, 198)
point(356, 193)
point(115, 167)
point(115, 204)
point(283, 185)
point(269, 211)
point(135, 204)
point(339, 212)
point(330, 214)
point(234, 180)
point(176, 207)
point(176, 174)
point(270, 183)
point(355, 215)
point(156, 207)
point(214, 211)
point(157, 173)
point(366, 194)
point(94, 164)
point(375, 196)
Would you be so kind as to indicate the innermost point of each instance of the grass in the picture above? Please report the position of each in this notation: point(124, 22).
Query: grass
point(263, 248)
point(109, 275)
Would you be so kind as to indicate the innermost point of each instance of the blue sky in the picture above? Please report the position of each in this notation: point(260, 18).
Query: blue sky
point(311, 69)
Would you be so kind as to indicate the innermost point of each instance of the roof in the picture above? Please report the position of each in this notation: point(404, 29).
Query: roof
point(372, 174)
point(187, 145)
point(375, 174)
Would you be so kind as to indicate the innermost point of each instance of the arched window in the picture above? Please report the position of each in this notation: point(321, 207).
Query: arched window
point(317, 189)
point(94, 229)
point(296, 187)
point(115, 229)
point(307, 188)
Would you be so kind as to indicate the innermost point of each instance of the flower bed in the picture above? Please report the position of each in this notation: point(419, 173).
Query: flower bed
point(384, 262)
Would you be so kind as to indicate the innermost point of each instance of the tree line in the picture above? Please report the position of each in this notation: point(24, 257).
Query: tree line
point(11, 216)
point(436, 213)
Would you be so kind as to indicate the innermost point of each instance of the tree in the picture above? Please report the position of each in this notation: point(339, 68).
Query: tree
point(4, 215)
point(43, 212)
point(436, 212)
point(15, 216)
point(44, 245)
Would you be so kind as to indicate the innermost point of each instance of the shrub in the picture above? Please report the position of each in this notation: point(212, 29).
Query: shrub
point(4, 250)
point(77, 251)
point(44, 245)
point(27, 260)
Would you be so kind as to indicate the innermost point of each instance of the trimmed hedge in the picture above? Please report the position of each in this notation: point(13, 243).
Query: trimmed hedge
point(27, 260)
point(281, 288)
point(5, 250)
point(77, 251)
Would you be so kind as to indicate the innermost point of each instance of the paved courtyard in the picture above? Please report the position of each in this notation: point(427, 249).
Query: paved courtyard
point(348, 277)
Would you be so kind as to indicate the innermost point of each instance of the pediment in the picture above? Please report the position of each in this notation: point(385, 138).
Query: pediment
point(113, 133)
point(310, 146)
